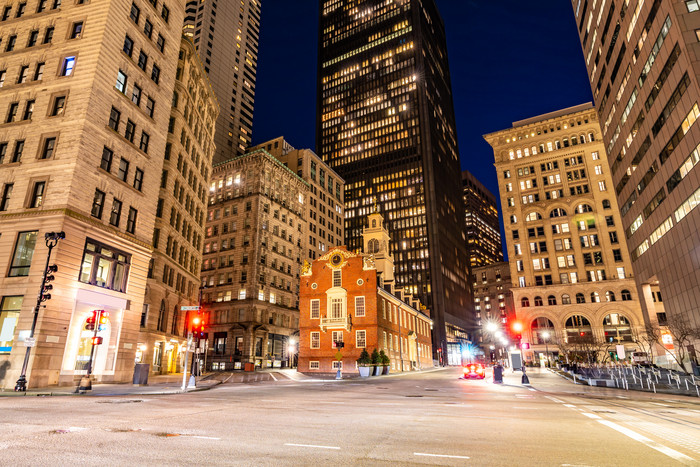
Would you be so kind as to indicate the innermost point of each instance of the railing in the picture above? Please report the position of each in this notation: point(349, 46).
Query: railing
point(335, 323)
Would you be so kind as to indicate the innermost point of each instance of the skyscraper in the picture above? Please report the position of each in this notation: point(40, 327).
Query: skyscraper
point(225, 34)
point(481, 221)
point(385, 123)
point(641, 60)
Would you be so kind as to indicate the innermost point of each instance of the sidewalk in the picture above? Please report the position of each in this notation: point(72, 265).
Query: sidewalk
point(159, 384)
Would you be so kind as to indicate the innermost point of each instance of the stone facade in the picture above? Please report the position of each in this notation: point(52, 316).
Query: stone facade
point(252, 257)
point(87, 88)
point(493, 302)
point(570, 268)
point(350, 298)
point(174, 270)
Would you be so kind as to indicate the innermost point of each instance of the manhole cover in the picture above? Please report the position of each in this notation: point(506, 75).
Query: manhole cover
point(414, 395)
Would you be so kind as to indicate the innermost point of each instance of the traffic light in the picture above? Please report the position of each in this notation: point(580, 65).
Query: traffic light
point(97, 340)
point(91, 320)
point(45, 295)
point(104, 320)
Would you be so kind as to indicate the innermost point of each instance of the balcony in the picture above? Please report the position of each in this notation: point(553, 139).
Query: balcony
point(343, 322)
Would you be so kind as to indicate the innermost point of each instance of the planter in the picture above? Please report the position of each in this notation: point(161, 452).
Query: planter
point(385, 370)
point(378, 370)
point(364, 371)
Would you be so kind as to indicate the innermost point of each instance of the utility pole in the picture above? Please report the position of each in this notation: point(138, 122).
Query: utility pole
point(51, 239)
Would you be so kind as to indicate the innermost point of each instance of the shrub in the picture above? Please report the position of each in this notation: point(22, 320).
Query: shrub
point(386, 361)
point(364, 359)
point(375, 358)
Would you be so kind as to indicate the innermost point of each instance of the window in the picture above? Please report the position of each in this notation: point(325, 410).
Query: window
point(28, 110)
point(160, 43)
point(6, 195)
point(12, 112)
point(565, 299)
point(130, 130)
point(138, 179)
point(580, 298)
point(10, 307)
point(524, 302)
point(626, 295)
point(135, 13)
point(136, 94)
point(315, 309)
point(155, 74)
point(150, 107)
point(22, 256)
point(23, 74)
point(538, 301)
point(38, 72)
point(143, 60)
point(551, 300)
point(33, 37)
point(131, 220)
point(360, 339)
point(359, 306)
point(122, 79)
point(336, 336)
point(3, 73)
point(165, 13)
point(114, 116)
point(128, 47)
point(123, 169)
point(6, 12)
point(116, 213)
point(98, 203)
point(148, 28)
point(19, 150)
point(315, 340)
point(10, 43)
point(104, 266)
point(59, 105)
point(76, 30)
point(314, 365)
point(143, 144)
point(106, 162)
point(337, 278)
point(69, 64)
point(47, 150)
point(48, 35)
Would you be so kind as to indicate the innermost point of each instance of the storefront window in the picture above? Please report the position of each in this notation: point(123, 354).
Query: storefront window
point(9, 313)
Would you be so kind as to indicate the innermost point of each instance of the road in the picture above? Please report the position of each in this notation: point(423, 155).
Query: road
point(430, 418)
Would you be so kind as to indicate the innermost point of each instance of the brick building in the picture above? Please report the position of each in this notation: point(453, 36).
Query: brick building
point(350, 297)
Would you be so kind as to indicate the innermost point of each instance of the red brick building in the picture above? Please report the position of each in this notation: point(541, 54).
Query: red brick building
point(350, 297)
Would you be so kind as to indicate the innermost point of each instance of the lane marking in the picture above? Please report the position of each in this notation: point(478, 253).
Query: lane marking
point(680, 457)
point(659, 403)
point(273, 376)
point(439, 455)
point(570, 406)
point(554, 399)
point(591, 415)
point(311, 446)
point(205, 437)
point(531, 389)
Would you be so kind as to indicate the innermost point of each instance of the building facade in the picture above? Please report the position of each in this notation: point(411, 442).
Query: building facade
point(641, 59)
point(87, 88)
point(226, 35)
point(494, 307)
point(252, 258)
point(174, 270)
point(385, 123)
point(350, 298)
point(481, 220)
point(570, 268)
point(324, 209)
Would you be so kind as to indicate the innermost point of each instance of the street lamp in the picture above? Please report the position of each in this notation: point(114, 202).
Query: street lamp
point(545, 336)
point(51, 239)
point(291, 350)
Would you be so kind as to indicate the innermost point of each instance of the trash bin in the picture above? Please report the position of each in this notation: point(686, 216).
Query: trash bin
point(498, 374)
point(141, 374)
point(249, 366)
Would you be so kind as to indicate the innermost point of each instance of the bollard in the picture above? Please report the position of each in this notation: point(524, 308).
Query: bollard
point(669, 378)
point(686, 384)
point(654, 388)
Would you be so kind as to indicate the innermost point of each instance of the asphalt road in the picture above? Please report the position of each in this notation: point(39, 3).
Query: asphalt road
point(430, 418)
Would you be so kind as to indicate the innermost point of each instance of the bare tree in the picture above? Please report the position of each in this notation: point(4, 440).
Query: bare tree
point(683, 333)
point(647, 337)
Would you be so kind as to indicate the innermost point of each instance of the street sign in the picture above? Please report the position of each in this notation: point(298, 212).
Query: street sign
point(30, 342)
point(189, 308)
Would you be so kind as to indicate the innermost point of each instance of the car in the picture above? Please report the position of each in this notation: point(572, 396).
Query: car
point(473, 370)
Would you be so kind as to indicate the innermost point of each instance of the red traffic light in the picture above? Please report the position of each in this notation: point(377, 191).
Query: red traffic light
point(582, 333)
point(525, 345)
point(92, 317)
point(517, 326)
point(104, 317)
point(96, 340)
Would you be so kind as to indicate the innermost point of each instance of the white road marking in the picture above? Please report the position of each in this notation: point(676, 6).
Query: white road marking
point(439, 455)
point(554, 399)
point(590, 415)
point(659, 403)
point(680, 457)
point(570, 406)
point(205, 437)
point(311, 446)
point(273, 376)
point(531, 389)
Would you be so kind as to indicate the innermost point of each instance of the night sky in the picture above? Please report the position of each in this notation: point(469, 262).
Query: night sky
point(509, 60)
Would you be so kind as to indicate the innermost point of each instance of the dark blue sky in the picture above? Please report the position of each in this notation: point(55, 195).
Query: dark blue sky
point(509, 60)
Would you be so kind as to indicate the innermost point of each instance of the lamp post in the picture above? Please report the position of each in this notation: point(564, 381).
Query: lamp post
point(545, 336)
point(51, 239)
point(291, 349)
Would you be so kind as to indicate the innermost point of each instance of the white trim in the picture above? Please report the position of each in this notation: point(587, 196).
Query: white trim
point(317, 302)
point(357, 338)
point(315, 365)
point(311, 340)
point(357, 313)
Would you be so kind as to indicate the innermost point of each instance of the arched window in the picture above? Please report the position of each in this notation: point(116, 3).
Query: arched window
point(557, 144)
point(557, 212)
point(173, 329)
point(609, 296)
point(538, 301)
point(542, 331)
point(513, 219)
point(574, 140)
point(519, 153)
point(580, 298)
point(617, 328)
point(591, 137)
point(566, 142)
point(565, 299)
point(161, 317)
point(581, 208)
point(374, 223)
point(534, 150)
point(606, 204)
point(549, 146)
point(577, 327)
point(595, 297)
point(511, 154)
point(541, 147)
point(626, 295)
point(582, 138)
point(533, 216)
point(524, 302)
point(551, 300)
point(373, 246)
